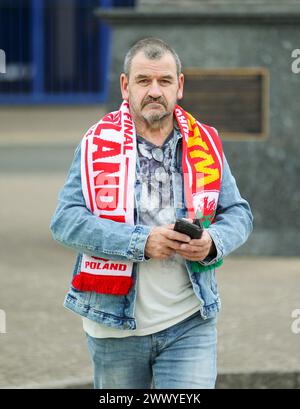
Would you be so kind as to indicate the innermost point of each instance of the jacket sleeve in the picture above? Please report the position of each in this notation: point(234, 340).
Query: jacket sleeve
point(233, 221)
point(75, 226)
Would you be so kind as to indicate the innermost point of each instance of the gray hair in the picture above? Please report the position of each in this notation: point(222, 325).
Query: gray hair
point(154, 49)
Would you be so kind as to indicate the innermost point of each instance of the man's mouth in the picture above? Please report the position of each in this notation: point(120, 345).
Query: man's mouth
point(154, 103)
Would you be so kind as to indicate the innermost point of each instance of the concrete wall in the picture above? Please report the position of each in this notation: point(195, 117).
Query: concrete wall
point(46, 125)
point(267, 171)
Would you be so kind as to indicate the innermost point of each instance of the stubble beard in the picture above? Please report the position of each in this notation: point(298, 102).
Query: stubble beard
point(155, 120)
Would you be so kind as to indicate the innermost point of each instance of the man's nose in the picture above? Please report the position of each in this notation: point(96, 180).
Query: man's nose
point(155, 91)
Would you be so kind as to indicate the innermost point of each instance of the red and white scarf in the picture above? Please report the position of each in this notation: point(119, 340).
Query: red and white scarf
point(108, 164)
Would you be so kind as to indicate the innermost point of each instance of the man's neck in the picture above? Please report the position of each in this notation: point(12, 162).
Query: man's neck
point(156, 135)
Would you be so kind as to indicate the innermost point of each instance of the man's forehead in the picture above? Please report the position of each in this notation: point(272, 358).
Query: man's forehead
point(164, 66)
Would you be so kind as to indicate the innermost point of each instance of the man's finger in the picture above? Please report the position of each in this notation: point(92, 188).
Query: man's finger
point(198, 242)
point(203, 241)
point(172, 244)
point(175, 235)
point(189, 249)
point(199, 255)
point(192, 257)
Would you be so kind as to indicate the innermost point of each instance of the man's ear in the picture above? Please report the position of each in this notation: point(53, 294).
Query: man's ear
point(124, 86)
point(180, 86)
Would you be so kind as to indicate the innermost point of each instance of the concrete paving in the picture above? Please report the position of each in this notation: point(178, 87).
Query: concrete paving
point(44, 344)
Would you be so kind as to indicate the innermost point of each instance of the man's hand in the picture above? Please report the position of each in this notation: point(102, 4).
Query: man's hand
point(197, 249)
point(163, 242)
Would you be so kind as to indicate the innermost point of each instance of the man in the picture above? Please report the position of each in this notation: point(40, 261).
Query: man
point(147, 293)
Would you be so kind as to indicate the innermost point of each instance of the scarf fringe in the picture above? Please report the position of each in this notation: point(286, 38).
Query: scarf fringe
point(114, 285)
point(199, 268)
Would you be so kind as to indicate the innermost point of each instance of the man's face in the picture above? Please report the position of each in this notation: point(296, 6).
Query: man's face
point(153, 88)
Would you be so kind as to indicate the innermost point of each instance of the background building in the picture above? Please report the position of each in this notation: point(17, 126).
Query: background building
point(57, 51)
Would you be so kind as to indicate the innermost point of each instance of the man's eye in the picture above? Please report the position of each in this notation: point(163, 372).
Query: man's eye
point(165, 82)
point(143, 81)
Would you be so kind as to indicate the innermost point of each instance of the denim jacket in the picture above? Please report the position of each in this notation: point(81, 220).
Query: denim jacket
point(74, 226)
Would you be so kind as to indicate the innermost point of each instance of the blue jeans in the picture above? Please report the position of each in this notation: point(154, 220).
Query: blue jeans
point(181, 356)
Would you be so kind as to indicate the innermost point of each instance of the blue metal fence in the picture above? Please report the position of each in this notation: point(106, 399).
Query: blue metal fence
point(56, 51)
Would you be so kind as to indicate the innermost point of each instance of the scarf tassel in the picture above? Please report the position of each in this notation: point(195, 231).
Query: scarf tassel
point(114, 285)
point(199, 268)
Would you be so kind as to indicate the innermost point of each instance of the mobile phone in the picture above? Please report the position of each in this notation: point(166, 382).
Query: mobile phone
point(193, 230)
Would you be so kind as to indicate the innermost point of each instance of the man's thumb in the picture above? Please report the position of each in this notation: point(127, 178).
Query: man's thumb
point(170, 226)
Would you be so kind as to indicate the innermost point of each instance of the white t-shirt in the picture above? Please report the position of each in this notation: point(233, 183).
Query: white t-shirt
point(165, 295)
